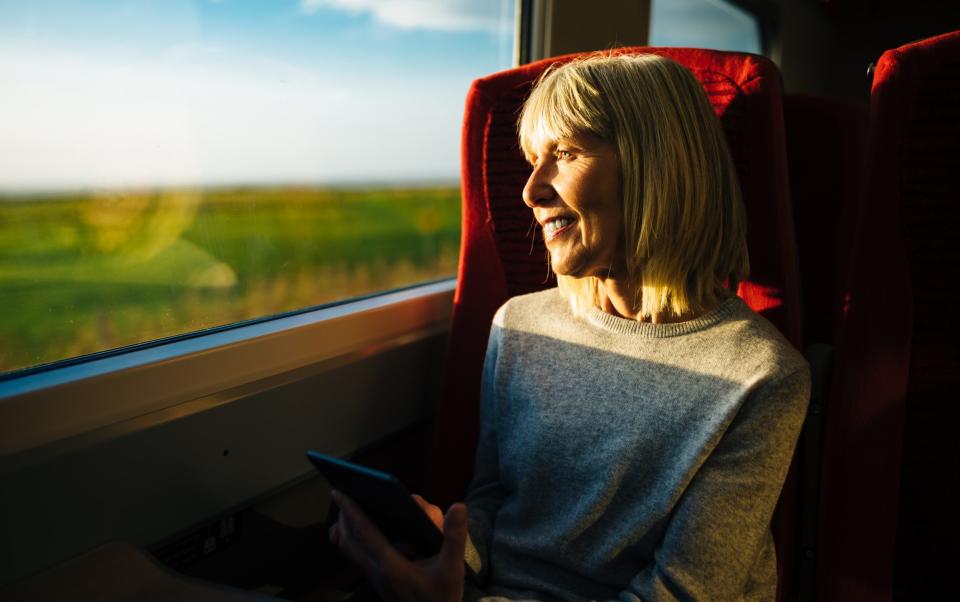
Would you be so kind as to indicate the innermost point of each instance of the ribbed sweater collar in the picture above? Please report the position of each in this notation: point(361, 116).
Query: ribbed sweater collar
point(619, 325)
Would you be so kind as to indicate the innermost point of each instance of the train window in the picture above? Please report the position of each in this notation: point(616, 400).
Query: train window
point(703, 24)
point(168, 167)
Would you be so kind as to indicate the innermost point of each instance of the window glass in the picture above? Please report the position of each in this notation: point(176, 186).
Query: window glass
point(170, 166)
point(703, 24)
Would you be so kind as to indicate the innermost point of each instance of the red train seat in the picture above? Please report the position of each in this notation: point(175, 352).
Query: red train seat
point(891, 455)
point(826, 138)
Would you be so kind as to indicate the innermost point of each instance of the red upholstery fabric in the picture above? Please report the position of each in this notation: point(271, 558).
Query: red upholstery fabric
point(898, 366)
point(826, 140)
point(502, 253)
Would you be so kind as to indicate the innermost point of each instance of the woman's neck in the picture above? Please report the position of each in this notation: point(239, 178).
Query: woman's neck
point(619, 298)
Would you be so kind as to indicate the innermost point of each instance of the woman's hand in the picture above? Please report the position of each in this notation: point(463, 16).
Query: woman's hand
point(396, 578)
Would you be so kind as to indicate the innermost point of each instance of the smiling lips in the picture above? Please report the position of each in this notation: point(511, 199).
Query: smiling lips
point(556, 226)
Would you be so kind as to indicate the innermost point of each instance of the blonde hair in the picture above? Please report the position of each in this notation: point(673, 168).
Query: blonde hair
point(683, 217)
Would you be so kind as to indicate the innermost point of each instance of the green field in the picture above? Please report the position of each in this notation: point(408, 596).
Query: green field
point(85, 273)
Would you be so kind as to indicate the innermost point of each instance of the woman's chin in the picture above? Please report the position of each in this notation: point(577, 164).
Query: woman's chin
point(560, 265)
point(572, 270)
point(562, 268)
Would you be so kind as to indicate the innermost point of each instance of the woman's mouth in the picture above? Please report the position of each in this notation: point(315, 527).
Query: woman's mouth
point(556, 227)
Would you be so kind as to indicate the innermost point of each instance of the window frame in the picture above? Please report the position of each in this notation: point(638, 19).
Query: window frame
point(41, 408)
point(767, 15)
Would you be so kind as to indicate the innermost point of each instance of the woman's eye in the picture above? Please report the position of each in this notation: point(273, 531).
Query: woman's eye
point(564, 154)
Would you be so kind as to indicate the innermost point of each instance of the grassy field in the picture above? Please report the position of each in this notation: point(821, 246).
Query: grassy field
point(85, 273)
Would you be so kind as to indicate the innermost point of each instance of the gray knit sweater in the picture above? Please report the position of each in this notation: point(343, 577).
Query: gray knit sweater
point(629, 460)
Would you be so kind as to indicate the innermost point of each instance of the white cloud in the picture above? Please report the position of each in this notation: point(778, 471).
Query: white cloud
point(200, 116)
point(443, 15)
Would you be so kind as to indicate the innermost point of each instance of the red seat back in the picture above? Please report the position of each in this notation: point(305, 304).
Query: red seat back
point(888, 499)
point(501, 256)
point(826, 140)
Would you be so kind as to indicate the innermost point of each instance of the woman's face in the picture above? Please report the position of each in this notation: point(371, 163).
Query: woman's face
point(574, 192)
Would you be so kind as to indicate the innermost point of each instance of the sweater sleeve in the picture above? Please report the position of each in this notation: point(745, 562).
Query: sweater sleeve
point(486, 494)
point(720, 527)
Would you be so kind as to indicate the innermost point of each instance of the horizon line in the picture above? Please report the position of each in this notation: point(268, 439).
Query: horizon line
point(6, 193)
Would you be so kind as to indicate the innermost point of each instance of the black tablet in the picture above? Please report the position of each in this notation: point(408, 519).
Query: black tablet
point(385, 500)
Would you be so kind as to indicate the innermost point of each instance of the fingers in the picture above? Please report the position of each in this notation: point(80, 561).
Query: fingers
point(393, 576)
point(454, 535)
point(359, 538)
point(434, 513)
point(354, 522)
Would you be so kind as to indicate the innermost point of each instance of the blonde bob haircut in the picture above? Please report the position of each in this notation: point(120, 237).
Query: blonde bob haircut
point(683, 217)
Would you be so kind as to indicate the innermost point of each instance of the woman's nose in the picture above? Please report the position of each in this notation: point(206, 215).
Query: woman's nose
point(538, 189)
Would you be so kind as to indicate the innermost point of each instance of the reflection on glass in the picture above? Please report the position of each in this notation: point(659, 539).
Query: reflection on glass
point(86, 273)
point(169, 167)
point(714, 24)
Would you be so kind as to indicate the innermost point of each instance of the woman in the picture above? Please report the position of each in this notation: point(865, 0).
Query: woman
point(637, 422)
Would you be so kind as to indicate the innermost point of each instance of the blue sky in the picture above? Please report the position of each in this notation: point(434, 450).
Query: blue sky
point(114, 93)
point(703, 24)
point(118, 93)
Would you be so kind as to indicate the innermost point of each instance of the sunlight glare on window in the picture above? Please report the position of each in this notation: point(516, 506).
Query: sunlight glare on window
point(168, 167)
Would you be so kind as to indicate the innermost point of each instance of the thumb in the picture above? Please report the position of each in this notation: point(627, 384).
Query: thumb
point(454, 534)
